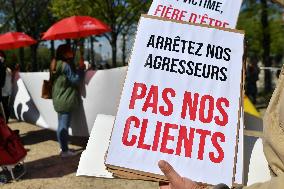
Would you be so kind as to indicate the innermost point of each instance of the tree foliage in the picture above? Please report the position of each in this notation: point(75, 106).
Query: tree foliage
point(67, 8)
point(27, 16)
point(250, 21)
point(118, 14)
point(263, 24)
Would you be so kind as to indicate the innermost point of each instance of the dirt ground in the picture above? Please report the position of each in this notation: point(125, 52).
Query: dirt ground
point(46, 170)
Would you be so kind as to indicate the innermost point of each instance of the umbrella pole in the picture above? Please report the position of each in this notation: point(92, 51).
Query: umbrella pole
point(74, 48)
point(81, 63)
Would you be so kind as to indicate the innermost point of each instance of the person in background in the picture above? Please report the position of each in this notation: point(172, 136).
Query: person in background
point(252, 73)
point(273, 143)
point(65, 93)
point(2, 78)
point(29, 67)
point(6, 93)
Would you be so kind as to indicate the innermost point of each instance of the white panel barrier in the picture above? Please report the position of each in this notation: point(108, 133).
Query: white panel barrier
point(100, 94)
point(92, 159)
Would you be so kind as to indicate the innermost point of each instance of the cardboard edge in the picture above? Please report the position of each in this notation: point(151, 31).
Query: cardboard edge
point(241, 104)
point(151, 176)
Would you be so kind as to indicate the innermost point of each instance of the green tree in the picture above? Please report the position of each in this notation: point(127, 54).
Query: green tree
point(35, 20)
point(10, 11)
point(118, 14)
point(264, 33)
point(67, 8)
point(27, 16)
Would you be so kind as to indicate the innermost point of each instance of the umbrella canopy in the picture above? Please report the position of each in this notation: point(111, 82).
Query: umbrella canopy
point(13, 40)
point(75, 27)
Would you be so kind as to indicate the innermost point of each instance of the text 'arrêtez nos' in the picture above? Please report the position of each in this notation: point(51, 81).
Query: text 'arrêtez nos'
point(192, 48)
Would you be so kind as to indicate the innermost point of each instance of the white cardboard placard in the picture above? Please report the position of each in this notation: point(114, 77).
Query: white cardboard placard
point(145, 133)
point(217, 13)
point(92, 159)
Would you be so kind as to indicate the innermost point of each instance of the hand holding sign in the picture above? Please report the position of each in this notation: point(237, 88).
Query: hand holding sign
point(176, 181)
point(177, 105)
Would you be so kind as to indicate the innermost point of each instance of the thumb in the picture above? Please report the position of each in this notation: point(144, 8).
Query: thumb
point(174, 178)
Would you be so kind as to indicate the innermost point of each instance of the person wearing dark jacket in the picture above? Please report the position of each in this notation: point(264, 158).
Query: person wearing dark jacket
point(2, 72)
point(65, 93)
point(2, 80)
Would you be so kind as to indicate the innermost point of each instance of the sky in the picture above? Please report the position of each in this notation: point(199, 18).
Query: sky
point(103, 47)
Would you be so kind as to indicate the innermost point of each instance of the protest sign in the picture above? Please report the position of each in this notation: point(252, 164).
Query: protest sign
point(180, 102)
point(218, 13)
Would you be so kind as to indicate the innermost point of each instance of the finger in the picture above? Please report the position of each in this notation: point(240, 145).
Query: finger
point(174, 178)
point(190, 184)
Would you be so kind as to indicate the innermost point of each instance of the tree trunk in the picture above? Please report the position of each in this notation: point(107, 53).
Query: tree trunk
point(34, 57)
point(52, 49)
point(22, 58)
point(124, 49)
point(266, 45)
point(19, 29)
point(114, 49)
point(92, 52)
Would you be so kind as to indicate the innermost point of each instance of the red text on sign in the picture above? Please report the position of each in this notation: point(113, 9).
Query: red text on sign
point(183, 142)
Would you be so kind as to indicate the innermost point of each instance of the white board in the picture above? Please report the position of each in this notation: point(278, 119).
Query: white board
point(258, 166)
point(100, 94)
point(140, 149)
point(92, 159)
point(23, 107)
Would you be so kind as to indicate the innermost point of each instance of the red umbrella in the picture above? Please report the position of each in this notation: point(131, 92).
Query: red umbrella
point(75, 27)
point(13, 40)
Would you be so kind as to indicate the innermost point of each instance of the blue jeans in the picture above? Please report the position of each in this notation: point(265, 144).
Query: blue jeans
point(62, 130)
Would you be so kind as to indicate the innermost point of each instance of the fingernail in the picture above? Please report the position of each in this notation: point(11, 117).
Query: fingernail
point(161, 164)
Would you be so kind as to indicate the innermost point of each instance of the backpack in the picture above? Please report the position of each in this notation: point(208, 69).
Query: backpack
point(11, 147)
